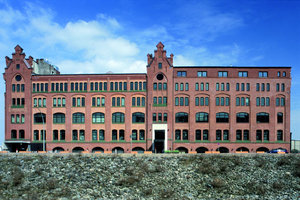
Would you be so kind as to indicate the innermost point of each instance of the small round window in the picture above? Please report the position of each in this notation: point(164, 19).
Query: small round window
point(18, 78)
point(160, 77)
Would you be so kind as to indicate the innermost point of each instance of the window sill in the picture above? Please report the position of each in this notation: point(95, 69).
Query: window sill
point(58, 123)
point(17, 106)
point(98, 122)
point(159, 105)
point(118, 122)
point(78, 122)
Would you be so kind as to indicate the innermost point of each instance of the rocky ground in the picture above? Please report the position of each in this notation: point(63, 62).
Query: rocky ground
point(78, 176)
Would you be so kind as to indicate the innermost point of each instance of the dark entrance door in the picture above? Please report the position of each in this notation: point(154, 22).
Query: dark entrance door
point(159, 141)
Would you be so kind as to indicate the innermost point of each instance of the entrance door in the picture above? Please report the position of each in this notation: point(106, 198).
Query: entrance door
point(159, 141)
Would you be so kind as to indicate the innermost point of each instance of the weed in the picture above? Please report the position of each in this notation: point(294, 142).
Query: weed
point(277, 186)
point(297, 168)
point(17, 176)
point(147, 191)
point(283, 161)
point(51, 183)
point(217, 183)
point(166, 193)
point(128, 181)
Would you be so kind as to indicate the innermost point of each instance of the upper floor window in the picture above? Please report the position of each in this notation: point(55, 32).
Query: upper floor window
point(118, 101)
point(278, 74)
point(280, 117)
point(118, 117)
point(222, 117)
point(138, 117)
point(284, 74)
point(181, 74)
point(202, 117)
point(98, 118)
point(181, 117)
point(243, 74)
point(242, 117)
point(202, 73)
point(262, 74)
point(58, 118)
point(39, 118)
point(78, 118)
point(262, 117)
point(78, 102)
point(222, 74)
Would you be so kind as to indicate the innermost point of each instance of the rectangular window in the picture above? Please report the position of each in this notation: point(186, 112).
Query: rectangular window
point(159, 100)
point(22, 87)
point(222, 74)
point(80, 87)
point(111, 86)
point(257, 86)
point(44, 102)
point(186, 101)
point(102, 101)
point(176, 101)
point(125, 86)
point(186, 86)
point(154, 100)
point(262, 74)
point(181, 101)
point(197, 101)
point(159, 65)
point(154, 86)
point(154, 117)
point(159, 86)
point(227, 87)
point(105, 86)
point(138, 101)
point(181, 86)
point(46, 87)
point(54, 102)
point(217, 101)
point(181, 74)
point(165, 86)
point(98, 101)
point(165, 100)
point(217, 86)
point(243, 74)
point(207, 86)
point(222, 87)
point(159, 117)
point(268, 87)
point(176, 86)
point(243, 87)
point(206, 101)
point(165, 117)
point(120, 86)
point(248, 86)
point(136, 86)
point(144, 85)
point(58, 102)
point(237, 87)
point(262, 87)
point(197, 86)
point(202, 74)
point(202, 86)
point(282, 87)
point(140, 86)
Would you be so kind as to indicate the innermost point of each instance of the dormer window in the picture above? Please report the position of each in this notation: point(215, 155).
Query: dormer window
point(222, 74)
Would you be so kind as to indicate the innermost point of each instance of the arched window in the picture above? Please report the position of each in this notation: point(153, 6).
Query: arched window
point(201, 117)
point(39, 118)
point(205, 134)
point(98, 117)
point(101, 134)
point(74, 135)
point(266, 135)
point(118, 117)
point(138, 117)
point(198, 134)
point(242, 117)
point(238, 134)
point(142, 134)
point(94, 135)
point(185, 134)
point(58, 118)
point(218, 135)
point(81, 135)
point(114, 134)
point(62, 134)
point(280, 117)
point(181, 117)
point(134, 135)
point(222, 117)
point(262, 117)
point(78, 118)
point(36, 135)
point(225, 135)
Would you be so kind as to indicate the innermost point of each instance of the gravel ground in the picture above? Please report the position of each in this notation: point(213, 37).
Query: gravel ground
point(90, 176)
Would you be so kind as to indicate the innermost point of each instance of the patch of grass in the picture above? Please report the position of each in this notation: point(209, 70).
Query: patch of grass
point(128, 180)
point(285, 160)
point(166, 193)
point(297, 168)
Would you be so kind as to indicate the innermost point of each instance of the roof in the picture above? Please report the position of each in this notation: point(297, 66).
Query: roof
point(232, 67)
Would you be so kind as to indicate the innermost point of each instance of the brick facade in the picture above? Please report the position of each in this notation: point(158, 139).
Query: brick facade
point(169, 107)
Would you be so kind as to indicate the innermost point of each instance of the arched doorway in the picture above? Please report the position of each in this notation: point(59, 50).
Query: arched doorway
point(58, 149)
point(223, 150)
point(118, 150)
point(97, 149)
point(138, 149)
point(242, 149)
point(264, 149)
point(77, 150)
point(201, 150)
point(182, 150)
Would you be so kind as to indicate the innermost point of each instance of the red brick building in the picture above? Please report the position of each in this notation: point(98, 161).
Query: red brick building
point(170, 107)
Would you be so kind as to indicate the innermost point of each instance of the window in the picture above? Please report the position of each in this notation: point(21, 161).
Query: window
point(118, 117)
point(98, 118)
point(62, 134)
point(207, 86)
point(262, 117)
point(186, 87)
point(218, 135)
point(185, 134)
point(202, 117)
point(280, 117)
point(202, 73)
point(176, 101)
point(278, 74)
point(12, 119)
point(282, 101)
point(165, 117)
point(101, 134)
point(222, 117)
point(262, 74)
point(13, 134)
point(279, 135)
point(227, 87)
point(248, 86)
point(177, 134)
point(164, 86)
point(243, 74)
point(198, 134)
point(225, 135)
point(55, 134)
point(138, 117)
point(262, 87)
point(238, 134)
point(181, 117)
point(134, 135)
point(258, 135)
point(181, 86)
point(159, 86)
point(237, 87)
point(176, 86)
point(36, 135)
point(58, 118)
point(205, 134)
point(266, 135)
point(114, 134)
point(202, 86)
point(268, 87)
point(78, 118)
point(39, 118)
point(284, 74)
point(181, 74)
point(242, 117)
point(222, 74)
point(94, 135)
point(282, 87)
point(277, 87)
point(159, 65)
point(217, 86)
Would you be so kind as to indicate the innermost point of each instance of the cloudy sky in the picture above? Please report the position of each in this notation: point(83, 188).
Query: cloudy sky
point(97, 36)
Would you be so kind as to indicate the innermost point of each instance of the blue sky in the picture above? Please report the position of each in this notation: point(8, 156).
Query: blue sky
point(98, 36)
